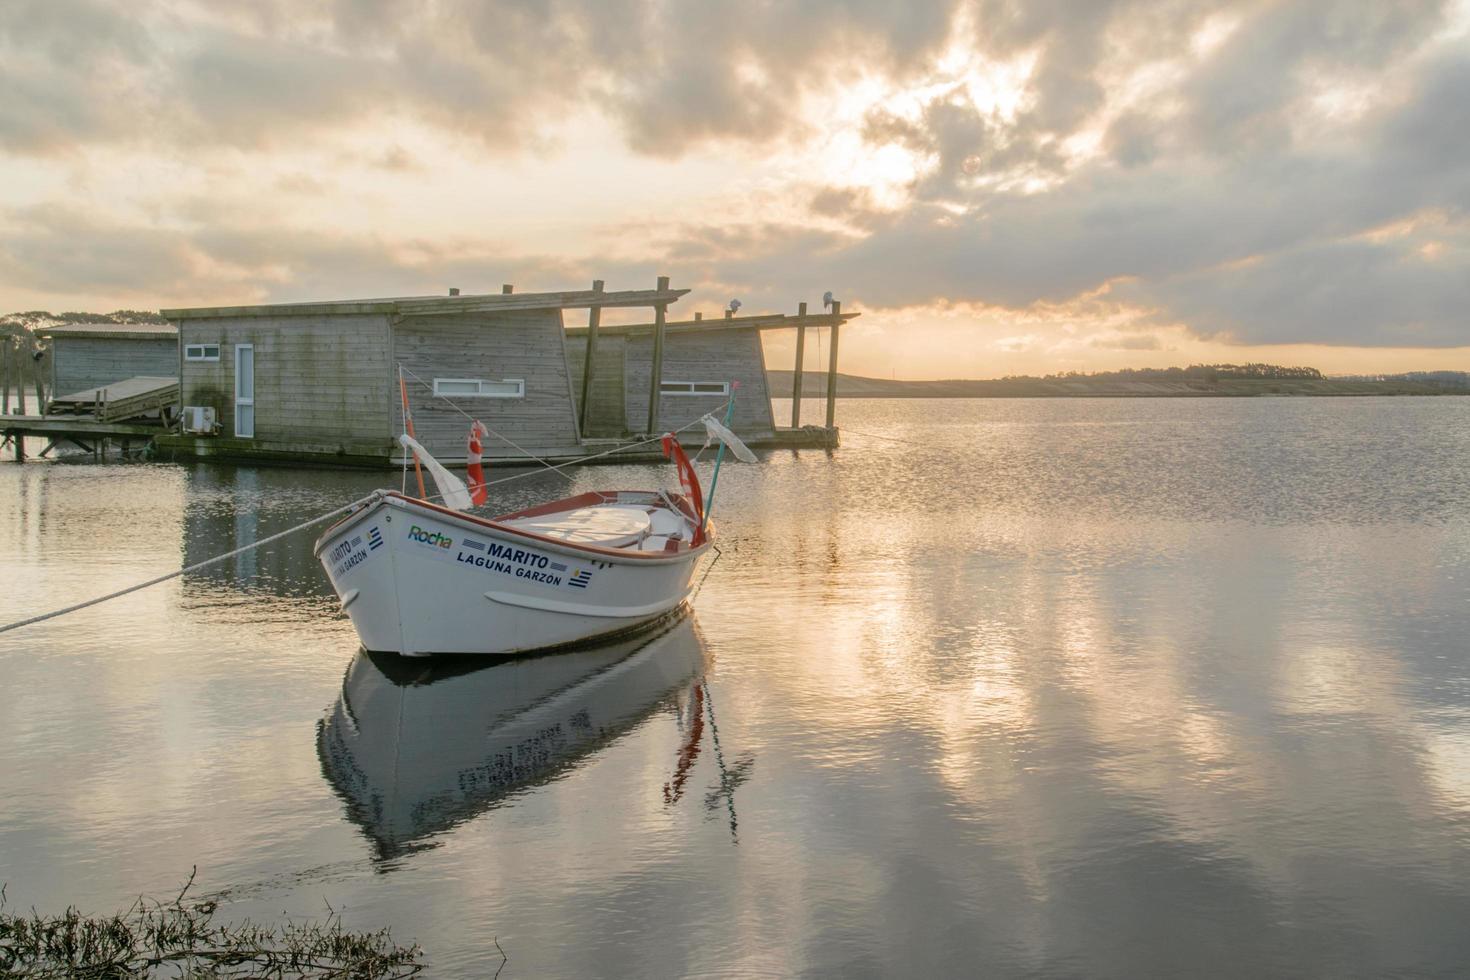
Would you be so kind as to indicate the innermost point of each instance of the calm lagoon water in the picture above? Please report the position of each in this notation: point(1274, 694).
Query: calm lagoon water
point(1015, 688)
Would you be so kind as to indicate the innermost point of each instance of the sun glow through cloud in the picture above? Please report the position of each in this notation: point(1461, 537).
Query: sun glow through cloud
point(998, 189)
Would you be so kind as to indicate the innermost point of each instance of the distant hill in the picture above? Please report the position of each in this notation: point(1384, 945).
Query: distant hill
point(814, 385)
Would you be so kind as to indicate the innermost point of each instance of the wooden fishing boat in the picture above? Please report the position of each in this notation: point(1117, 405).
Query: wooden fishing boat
point(419, 578)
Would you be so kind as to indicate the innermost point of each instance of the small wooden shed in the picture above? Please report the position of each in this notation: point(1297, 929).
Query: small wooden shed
point(94, 355)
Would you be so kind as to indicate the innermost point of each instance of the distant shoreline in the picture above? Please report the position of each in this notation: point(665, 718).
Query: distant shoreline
point(814, 385)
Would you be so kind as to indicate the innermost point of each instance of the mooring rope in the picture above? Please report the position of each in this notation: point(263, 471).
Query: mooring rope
point(727, 784)
point(184, 571)
point(874, 435)
point(446, 399)
point(345, 508)
point(526, 452)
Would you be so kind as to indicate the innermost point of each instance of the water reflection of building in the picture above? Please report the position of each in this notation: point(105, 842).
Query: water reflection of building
point(417, 747)
point(228, 508)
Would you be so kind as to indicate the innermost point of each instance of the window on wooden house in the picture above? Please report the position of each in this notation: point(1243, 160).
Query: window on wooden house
point(694, 387)
point(478, 388)
point(201, 352)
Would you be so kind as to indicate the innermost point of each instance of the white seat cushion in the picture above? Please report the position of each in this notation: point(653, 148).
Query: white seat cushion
point(668, 523)
point(610, 527)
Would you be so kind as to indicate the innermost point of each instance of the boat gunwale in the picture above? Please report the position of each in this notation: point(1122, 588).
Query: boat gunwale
point(392, 498)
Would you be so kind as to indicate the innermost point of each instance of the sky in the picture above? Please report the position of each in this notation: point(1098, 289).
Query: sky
point(998, 186)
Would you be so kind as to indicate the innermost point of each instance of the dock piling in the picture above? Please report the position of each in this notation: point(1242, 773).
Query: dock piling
point(800, 360)
point(18, 356)
point(36, 359)
point(832, 366)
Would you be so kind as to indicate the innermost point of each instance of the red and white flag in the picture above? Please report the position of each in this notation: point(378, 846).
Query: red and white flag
point(478, 493)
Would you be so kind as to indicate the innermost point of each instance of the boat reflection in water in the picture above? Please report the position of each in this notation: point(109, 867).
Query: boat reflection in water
point(417, 747)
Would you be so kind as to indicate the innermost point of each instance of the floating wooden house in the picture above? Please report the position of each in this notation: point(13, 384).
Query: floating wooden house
point(319, 382)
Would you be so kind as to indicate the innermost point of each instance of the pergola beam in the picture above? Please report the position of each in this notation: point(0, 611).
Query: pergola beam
point(770, 321)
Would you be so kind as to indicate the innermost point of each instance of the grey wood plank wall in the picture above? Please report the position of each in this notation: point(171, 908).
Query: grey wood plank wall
point(79, 363)
point(717, 355)
point(319, 380)
point(606, 420)
point(527, 345)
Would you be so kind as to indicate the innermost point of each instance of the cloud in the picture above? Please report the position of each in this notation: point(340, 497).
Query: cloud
point(70, 71)
point(1397, 293)
point(1174, 157)
point(675, 74)
point(1141, 341)
point(1245, 91)
point(1259, 244)
point(225, 258)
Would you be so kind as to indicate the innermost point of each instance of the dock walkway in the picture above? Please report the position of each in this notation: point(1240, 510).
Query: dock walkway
point(79, 430)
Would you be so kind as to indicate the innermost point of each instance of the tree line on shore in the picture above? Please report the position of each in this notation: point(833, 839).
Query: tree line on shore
point(23, 362)
point(1195, 372)
point(1442, 379)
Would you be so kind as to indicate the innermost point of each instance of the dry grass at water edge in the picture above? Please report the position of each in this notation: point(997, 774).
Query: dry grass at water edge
point(181, 939)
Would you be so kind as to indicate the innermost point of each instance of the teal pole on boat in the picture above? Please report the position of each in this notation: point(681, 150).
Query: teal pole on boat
point(714, 481)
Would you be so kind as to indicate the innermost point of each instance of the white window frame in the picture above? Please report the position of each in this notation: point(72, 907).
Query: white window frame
point(687, 390)
point(204, 354)
point(520, 391)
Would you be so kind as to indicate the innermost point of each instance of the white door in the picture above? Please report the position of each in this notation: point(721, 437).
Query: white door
point(245, 391)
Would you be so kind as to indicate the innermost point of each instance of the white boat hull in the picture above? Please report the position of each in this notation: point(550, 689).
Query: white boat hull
point(419, 580)
point(417, 751)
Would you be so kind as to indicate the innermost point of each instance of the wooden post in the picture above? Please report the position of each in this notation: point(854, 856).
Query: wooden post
point(5, 374)
point(594, 319)
point(19, 357)
point(800, 360)
point(656, 377)
point(40, 383)
point(832, 367)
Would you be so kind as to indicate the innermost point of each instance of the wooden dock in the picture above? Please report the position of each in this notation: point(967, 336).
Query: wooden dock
point(183, 447)
point(87, 434)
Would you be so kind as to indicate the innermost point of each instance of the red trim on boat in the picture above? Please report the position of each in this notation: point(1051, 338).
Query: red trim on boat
point(567, 503)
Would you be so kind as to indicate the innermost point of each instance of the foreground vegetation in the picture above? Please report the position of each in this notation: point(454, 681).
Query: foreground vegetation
point(181, 939)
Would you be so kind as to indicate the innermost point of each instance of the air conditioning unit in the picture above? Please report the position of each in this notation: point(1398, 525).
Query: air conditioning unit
point(200, 420)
